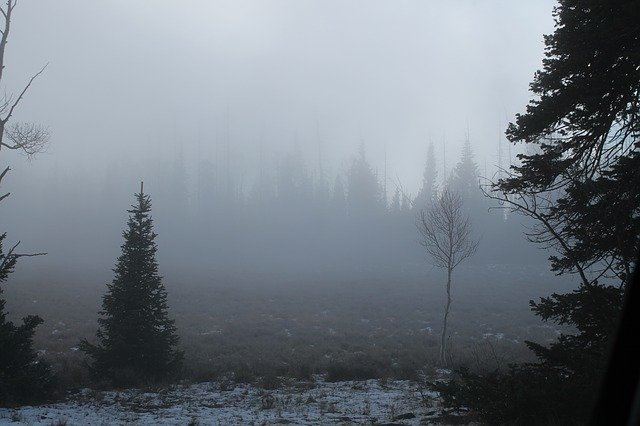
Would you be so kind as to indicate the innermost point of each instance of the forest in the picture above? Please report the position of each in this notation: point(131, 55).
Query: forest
point(388, 223)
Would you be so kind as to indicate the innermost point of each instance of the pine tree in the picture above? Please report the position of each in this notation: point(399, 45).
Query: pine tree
point(395, 201)
point(338, 198)
point(581, 184)
point(427, 192)
point(136, 339)
point(364, 194)
point(23, 377)
point(464, 179)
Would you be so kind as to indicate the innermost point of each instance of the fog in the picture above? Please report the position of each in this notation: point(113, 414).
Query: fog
point(218, 106)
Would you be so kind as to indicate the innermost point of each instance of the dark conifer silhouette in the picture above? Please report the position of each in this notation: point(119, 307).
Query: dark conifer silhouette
point(464, 179)
point(23, 377)
point(581, 186)
point(136, 339)
point(428, 190)
point(364, 193)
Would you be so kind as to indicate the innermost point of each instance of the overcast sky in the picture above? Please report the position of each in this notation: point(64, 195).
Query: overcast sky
point(129, 79)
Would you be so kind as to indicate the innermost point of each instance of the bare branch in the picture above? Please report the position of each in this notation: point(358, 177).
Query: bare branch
point(445, 232)
point(29, 137)
point(10, 256)
point(5, 32)
point(446, 236)
point(17, 101)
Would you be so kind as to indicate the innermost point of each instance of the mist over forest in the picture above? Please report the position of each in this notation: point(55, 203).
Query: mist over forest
point(248, 151)
point(319, 212)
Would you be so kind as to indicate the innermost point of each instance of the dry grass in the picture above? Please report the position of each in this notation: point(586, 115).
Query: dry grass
point(253, 329)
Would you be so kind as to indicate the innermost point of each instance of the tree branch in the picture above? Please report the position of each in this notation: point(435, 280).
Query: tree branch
point(17, 101)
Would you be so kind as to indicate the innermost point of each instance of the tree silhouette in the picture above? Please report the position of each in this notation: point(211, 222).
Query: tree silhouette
point(581, 186)
point(464, 178)
point(23, 377)
point(363, 189)
point(445, 233)
point(136, 338)
point(427, 192)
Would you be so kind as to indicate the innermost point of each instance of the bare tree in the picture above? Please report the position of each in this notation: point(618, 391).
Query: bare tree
point(29, 138)
point(25, 377)
point(445, 233)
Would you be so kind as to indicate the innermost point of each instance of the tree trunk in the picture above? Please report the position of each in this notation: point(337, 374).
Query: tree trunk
point(443, 341)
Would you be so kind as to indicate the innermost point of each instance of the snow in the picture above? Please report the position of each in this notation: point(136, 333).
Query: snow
point(300, 403)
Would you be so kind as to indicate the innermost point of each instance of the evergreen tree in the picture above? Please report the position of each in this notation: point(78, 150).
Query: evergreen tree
point(23, 376)
point(464, 178)
point(136, 339)
point(364, 195)
point(294, 182)
point(338, 199)
point(395, 201)
point(582, 186)
point(428, 190)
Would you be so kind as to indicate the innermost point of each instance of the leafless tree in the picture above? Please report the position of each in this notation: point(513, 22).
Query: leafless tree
point(29, 138)
point(445, 233)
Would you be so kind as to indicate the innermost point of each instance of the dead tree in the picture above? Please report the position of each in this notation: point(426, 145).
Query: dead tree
point(28, 138)
point(25, 378)
point(445, 233)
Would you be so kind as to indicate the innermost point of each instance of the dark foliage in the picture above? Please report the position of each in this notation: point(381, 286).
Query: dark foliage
point(564, 384)
point(24, 377)
point(582, 185)
point(136, 338)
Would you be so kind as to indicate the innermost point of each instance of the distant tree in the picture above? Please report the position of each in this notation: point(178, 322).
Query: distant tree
point(322, 193)
point(364, 194)
point(581, 186)
point(338, 197)
point(406, 204)
point(445, 233)
point(293, 181)
point(206, 192)
point(428, 190)
point(136, 339)
point(395, 201)
point(23, 376)
point(464, 178)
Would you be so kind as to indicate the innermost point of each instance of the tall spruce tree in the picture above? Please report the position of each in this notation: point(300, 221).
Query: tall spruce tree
point(582, 186)
point(136, 339)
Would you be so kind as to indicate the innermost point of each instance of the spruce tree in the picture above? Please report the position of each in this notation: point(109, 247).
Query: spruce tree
point(136, 338)
point(464, 179)
point(364, 193)
point(427, 192)
point(581, 185)
point(23, 376)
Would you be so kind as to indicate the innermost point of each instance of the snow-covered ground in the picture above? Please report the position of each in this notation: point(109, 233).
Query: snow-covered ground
point(300, 403)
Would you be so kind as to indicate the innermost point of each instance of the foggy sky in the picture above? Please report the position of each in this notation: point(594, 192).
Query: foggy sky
point(133, 80)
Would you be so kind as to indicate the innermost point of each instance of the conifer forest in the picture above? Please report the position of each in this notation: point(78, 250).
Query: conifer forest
point(319, 212)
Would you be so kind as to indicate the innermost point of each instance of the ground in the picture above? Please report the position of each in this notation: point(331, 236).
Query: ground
point(239, 332)
point(216, 403)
